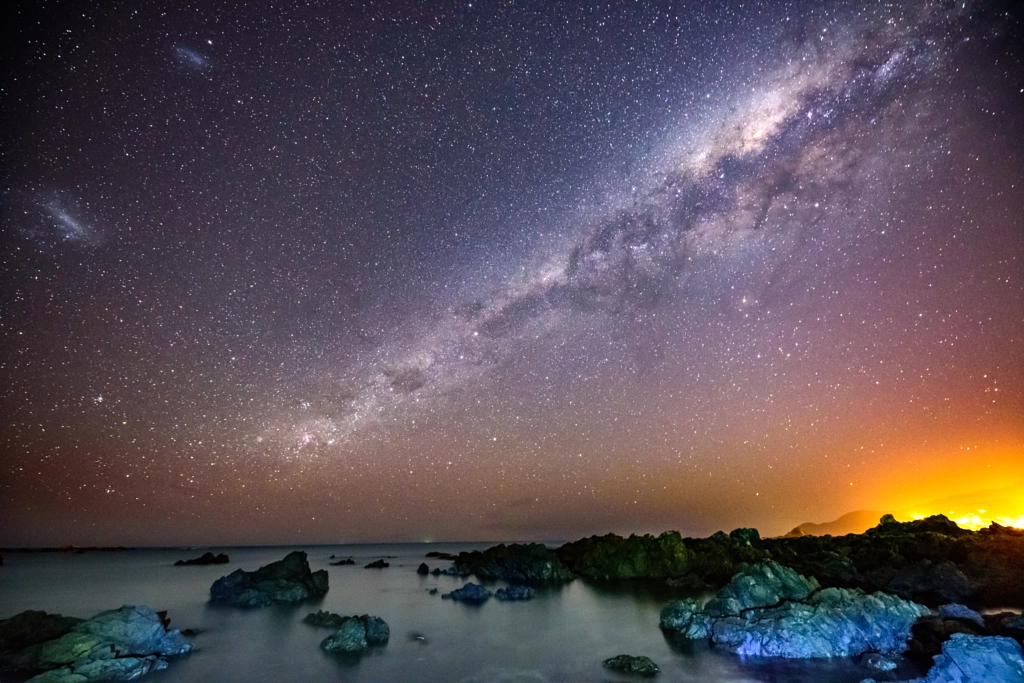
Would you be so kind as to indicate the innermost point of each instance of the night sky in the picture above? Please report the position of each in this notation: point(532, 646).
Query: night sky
point(504, 270)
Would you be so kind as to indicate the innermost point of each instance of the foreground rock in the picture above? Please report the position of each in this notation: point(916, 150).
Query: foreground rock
point(518, 563)
point(975, 659)
point(472, 593)
point(119, 644)
point(205, 558)
point(356, 634)
point(629, 664)
point(769, 610)
point(288, 580)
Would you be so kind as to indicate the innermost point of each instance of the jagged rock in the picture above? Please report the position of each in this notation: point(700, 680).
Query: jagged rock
point(760, 585)
point(928, 634)
point(205, 558)
point(770, 611)
point(378, 564)
point(357, 634)
point(628, 664)
point(614, 557)
point(512, 593)
point(436, 571)
point(529, 563)
point(958, 611)
point(118, 644)
point(975, 659)
point(287, 580)
point(423, 569)
point(471, 593)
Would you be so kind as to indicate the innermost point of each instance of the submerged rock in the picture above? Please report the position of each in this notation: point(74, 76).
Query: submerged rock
point(628, 664)
point(357, 634)
point(471, 593)
point(287, 580)
point(205, 558)
point(521, 563)
point(771, 611)
point(118, 644)
point(512, 593)
point(323, 618)
point(975, 659)
point(875, 661)
point(342, 563)
point(378, 564)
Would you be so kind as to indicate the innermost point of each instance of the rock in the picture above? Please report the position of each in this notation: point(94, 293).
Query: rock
point(529, 563)
point(378, 564)
point(928, 634)
point(323, 618)
point(432, 591)
point(287, 580)
point(685, 618)
point(442, 556)
point(875, 661)
point(760, 585)
point(32, 627)
point(958, 611)
point(436, 571)
point(472, 593)
point(976, 659)
point(933, 582)
point(357, 634)
point(341, 563)
point(629, 664)
point(205, 558)
point(748, 536)
point(768, 610)
point(118, 644)
point(423, 569)
point(511, 593)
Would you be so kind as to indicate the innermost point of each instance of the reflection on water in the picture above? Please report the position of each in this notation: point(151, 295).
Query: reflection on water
point(562, 635)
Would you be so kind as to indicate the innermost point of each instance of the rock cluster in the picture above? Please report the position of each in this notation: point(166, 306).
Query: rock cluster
point(771, 611)
point(118, 644)
point(519, 563)
point(205, 558)
point(355, 634)
point(514, 593)
point(287, 580)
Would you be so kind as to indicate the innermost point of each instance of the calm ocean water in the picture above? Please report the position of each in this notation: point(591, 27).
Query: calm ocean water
point(562, 635)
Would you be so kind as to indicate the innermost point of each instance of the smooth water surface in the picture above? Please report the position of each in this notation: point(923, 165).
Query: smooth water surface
point(562, 635)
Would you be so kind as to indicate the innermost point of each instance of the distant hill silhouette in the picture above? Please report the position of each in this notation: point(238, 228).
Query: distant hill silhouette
point(856, 522)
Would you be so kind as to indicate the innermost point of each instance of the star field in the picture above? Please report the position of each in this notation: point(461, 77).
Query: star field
point(505, 270)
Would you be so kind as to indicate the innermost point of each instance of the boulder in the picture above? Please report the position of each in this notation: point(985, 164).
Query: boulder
point(118, 644)
point(357, 634)
point(472, 593)
point(629, 664)
point(287, 580)
point(760, 585)
point(958, 611)
point(520, 563)
point(975, 659)
point(768, 610)
point(423, 569)
point(205, 558)
point(512, 593)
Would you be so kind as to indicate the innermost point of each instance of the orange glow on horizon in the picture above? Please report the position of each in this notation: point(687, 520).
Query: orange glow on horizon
point(977, 519)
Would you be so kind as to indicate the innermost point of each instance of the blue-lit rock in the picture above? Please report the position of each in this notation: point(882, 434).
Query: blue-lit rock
point(357, 634)
point(471, 593)
point(119, 644)
point(771, 611)
point(287, 580)
point(975, 659)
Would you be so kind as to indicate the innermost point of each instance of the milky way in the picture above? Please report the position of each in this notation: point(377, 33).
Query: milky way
point(508, 272)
